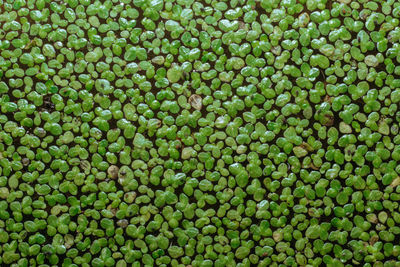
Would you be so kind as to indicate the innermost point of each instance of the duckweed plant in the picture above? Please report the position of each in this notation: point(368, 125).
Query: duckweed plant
point(199, 133)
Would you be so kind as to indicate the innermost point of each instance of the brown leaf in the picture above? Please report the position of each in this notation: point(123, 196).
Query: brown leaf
point(312, 166)
point(196, 101)
point(328, 99)
point(373, 240)
point(307, 146)
point(395, 182)
point(330, 120)
point(113, 171)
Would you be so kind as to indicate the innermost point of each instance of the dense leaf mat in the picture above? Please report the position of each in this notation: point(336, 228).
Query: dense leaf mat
point(208, 133)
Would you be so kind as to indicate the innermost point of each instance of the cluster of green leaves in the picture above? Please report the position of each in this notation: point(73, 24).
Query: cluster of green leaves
point(199, 133)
